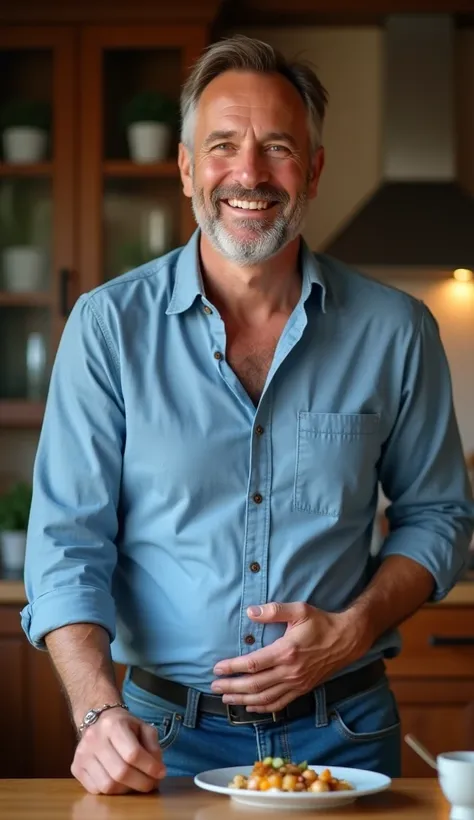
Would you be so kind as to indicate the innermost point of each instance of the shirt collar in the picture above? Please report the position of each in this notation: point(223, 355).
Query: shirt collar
point(312, 275)
point(188, 279)
point(189, 284)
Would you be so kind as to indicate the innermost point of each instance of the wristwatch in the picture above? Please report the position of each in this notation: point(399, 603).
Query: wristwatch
point(93, 714)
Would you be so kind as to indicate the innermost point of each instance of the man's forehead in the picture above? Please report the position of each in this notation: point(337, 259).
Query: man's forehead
point(236, 93)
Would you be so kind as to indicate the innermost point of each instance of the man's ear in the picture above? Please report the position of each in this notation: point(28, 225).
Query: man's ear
point(185, 168)
point(317, 165)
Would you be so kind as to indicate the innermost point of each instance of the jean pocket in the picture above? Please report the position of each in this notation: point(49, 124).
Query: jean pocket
point(336, 457)
point(153, 710)
point(368, 716)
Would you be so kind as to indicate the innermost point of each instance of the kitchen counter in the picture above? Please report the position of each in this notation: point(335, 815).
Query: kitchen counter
point(13, 592)
point(180, 799)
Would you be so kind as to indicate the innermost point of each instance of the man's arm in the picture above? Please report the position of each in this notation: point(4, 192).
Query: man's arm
point(422, 468)
point(71, 553)
point(81, 656)
point(397, 590)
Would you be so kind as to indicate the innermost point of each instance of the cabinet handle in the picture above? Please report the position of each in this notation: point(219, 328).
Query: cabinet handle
point(451, 640)
point(64, 277)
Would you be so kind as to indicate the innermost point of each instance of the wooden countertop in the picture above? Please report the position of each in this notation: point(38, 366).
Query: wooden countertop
point(180, 799)
point(13, 592)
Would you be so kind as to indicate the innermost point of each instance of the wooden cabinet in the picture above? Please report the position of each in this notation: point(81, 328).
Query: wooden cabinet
point(86, 209)
point(37, 737)
point(433, 680)
point(37, 195)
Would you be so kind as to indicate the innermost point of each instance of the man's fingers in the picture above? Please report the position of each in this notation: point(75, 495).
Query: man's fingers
point(132, 752)
point(122, 773)
point(86, 780)
point(102, 779)
point(251, 685)
point(253, 662)
point(276, 698)
point(149, 739)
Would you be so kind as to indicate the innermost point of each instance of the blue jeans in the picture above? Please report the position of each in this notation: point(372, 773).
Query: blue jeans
point(362, 731)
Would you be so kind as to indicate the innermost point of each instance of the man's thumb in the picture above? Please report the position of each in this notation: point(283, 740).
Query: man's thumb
point(273, 612)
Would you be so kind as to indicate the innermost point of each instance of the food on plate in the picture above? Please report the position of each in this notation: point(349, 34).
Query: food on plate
point(278, 774)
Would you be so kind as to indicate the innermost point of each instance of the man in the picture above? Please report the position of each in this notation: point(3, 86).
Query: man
point(206, 480)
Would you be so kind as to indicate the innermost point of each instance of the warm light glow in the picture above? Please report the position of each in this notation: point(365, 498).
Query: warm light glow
point(463, 275)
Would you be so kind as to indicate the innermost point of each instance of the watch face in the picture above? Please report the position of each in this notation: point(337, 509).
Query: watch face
point(90, 717)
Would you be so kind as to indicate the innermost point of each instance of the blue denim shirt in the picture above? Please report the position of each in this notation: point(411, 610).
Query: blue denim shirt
point(165, 502)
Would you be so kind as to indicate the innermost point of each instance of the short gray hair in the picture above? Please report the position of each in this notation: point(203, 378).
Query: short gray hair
point(241, 53)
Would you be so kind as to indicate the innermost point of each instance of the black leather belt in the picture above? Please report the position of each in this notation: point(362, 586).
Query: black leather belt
point(335, 690)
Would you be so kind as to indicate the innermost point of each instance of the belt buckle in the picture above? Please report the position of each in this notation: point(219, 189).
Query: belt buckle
point(271, 718)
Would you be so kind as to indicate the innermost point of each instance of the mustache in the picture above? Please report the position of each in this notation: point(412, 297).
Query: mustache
point(263, 193)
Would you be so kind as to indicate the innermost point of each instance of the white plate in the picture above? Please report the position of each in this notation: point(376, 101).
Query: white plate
point(364, 783)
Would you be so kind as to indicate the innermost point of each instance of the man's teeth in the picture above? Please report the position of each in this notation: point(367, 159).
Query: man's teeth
point(250, 206)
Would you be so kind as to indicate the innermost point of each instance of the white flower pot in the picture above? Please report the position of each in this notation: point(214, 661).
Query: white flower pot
point(13, 545)
point(149, 141)
point(23, 268)
point(24, 144)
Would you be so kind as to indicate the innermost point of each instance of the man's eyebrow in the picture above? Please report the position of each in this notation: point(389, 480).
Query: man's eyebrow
point(215, 136)
point(277, 136)
point(281, 136)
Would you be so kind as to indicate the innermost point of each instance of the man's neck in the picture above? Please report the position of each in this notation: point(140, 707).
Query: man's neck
point(254, 294)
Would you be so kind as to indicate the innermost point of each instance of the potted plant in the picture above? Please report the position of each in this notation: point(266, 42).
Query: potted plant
point(25, 125)
point(149, 118)
point(14, 513)
point(23, 257)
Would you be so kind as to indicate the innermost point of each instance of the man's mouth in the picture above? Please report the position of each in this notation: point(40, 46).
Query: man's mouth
point(249, 205)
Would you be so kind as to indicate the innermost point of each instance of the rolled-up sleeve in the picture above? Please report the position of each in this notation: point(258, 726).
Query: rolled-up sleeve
point(422, 469)
point(71, 553)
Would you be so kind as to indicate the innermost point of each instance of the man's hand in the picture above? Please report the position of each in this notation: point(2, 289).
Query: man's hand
point(118, 754)
point(315, 645)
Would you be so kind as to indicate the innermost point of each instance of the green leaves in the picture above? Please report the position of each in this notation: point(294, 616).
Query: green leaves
point(150, 106)
point(26, 113)
point(15, 508)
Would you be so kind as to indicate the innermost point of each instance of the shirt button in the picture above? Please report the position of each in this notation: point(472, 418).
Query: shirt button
point(258, 498)
point(207, 310)
point(255, 566)
point(249, 640)
point(259, 430)
point(218, 356)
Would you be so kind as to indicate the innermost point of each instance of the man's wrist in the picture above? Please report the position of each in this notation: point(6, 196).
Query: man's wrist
point(93, 715)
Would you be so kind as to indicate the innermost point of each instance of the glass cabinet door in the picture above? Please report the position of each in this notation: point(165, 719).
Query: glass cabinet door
point(132, 206)
point(36, 212)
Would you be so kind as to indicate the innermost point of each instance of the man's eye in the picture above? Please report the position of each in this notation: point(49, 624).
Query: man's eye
point(222, 146)
point(278, 149)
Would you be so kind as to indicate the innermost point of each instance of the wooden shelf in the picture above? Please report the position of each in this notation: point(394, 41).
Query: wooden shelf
point(33, 169)
point(27, 299)
point(21, 413)
point(126, 168)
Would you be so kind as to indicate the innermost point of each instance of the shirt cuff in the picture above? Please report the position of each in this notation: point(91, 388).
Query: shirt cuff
point(67, 605)
point(446, 562)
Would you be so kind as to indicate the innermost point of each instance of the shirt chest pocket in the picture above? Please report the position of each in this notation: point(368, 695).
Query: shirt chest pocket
point(336, 457)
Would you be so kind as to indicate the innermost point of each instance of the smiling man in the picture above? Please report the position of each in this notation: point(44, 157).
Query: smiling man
point(206, 483)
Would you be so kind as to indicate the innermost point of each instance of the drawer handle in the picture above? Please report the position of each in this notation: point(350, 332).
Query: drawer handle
point(451, 640)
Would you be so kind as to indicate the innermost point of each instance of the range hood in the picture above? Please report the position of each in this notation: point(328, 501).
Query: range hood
point(420, 216)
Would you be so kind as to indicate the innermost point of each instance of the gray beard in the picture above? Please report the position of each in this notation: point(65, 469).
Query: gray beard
point(270, 236)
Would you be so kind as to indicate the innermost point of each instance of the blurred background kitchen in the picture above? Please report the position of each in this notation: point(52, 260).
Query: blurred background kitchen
point(89, 188)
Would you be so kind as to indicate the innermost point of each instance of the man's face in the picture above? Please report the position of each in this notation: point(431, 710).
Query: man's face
point(251, 172)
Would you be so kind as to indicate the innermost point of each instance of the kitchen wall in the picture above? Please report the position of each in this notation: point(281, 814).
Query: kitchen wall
point(349, 62)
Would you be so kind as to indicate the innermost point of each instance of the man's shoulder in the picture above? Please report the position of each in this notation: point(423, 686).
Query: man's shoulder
point(353, 289)
point(147, 286)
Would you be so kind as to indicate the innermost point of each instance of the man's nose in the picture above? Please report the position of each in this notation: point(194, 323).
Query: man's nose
point(251, 168)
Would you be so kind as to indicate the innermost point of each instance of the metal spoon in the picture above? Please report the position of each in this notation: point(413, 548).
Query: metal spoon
point(421, 751)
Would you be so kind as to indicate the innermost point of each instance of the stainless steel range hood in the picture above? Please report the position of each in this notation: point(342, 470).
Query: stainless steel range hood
point(420, 217)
